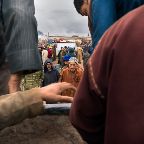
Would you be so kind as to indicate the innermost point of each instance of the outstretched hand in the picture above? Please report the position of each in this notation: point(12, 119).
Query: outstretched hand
point(51, 93)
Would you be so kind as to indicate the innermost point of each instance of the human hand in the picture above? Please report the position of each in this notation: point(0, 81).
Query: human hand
point(51, 93)
point(14, 83)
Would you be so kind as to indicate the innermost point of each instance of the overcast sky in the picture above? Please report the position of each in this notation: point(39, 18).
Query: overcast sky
point(60, 17)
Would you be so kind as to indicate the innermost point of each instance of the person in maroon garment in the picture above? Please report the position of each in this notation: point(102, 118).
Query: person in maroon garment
point(108, 107)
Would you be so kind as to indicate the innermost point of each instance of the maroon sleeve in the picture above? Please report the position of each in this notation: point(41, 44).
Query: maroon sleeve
point(88, 109)
point(87, 113)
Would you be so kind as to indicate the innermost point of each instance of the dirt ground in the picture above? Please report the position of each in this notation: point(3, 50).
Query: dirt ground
point(41, 130)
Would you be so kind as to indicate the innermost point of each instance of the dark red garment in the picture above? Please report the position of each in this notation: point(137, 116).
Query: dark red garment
point(49, 53)
point(109, 104)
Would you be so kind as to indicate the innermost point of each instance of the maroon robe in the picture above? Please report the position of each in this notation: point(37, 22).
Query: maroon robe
point(108, 107)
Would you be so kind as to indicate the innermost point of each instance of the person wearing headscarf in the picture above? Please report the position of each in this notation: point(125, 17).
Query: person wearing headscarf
point(51, 75)
point(61, 54)
point(71, 74)
point(66, 61)
point(79, 53)
point(44, 55)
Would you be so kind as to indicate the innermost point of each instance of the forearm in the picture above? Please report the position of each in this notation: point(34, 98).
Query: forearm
point(19, 106)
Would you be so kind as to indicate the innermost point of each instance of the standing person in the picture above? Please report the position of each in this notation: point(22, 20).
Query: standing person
point(79, 53)
point(44, 55)
point(71, 52)
point(54, 53)
point(86, 54)
point(72, 74)
point(109, 104)
point(66, 49)
point(18, 43)
point(103, 13)
point(50, 52)
point(61, 54)
point(51, 75)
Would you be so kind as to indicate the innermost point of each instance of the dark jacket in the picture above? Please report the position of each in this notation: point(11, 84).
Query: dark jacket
point(51, 77)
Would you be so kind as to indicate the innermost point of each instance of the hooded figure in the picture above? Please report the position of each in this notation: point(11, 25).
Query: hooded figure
point(51, 75)
point(44, 55)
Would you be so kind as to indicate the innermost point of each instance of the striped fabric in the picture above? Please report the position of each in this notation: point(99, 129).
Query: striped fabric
point(20, 30)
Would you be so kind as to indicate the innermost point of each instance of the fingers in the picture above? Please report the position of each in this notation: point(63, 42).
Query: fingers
point(51, 93)
point(66, 99)
point(58, 98)
point(64, 86)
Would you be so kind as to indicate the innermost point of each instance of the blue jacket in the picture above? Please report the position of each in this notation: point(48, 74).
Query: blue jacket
point(105, 12)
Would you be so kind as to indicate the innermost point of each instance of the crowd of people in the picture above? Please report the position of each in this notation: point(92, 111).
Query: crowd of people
point(66, 66)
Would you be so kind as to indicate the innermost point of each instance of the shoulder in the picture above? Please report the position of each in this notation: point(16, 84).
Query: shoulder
point(65, 70)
